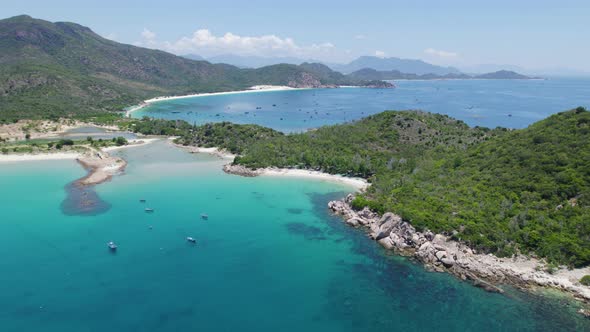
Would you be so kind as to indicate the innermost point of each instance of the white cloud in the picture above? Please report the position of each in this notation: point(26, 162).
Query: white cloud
point(360, 36)
point(204, 42)
point(148, 39)
point(440, 53)
point(112, 36)
point(380, 54)
point(148, 35)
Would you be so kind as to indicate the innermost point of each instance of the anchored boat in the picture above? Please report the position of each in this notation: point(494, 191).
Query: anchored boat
point(112, 246)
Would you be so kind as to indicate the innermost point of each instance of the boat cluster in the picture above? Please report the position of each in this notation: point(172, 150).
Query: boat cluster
point(113, 246)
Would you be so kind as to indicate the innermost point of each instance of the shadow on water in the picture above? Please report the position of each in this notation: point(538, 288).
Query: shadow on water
point(82, 201)
point(406, 293)
point(308, 232)
point(295, 211)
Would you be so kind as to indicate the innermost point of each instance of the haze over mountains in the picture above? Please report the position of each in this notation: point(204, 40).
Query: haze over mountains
point(373, 74)
point(412, 66)
point(403, 65)
point(365, 66)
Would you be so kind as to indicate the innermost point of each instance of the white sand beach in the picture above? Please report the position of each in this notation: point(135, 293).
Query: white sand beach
point(214, 151)
point(132, 144)
point(256, 88)
point(100, 164)
point(358, 183)
point(41, 156)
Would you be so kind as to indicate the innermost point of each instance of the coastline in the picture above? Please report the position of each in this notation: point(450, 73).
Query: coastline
point(132, 143)
point(214, 151)
point(253, 89)
point(357, 183)
point(38, 157)
point(70, 154)
point(441, 254)
point(101, 166)
point(45, 129)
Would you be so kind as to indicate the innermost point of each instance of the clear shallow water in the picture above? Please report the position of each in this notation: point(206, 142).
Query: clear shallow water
point(270, 258)
point(477, 102)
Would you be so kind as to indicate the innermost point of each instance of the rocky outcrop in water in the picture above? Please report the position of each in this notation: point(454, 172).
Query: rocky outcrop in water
point(240, 170)
point(441, 254)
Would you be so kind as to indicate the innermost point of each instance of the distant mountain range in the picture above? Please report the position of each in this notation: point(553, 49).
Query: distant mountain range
point(372, 74)
point(256, 61)
point(417, 67)
point(371, 67)
point(195, 57)
point(556, 72)
point(60, 69)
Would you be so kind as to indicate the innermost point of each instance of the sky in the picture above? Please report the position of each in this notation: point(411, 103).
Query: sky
point(530, 34)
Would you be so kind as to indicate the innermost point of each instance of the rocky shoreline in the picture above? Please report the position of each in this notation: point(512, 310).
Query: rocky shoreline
point(438, 253)
point(240, 170)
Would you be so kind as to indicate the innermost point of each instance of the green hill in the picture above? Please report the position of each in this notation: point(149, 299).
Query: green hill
point(498, 190)
point(528, 189)
point(383, 142)
point(60, 69)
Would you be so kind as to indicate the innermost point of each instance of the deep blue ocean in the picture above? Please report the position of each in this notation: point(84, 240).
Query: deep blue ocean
point(487, 103)
point(269, 258)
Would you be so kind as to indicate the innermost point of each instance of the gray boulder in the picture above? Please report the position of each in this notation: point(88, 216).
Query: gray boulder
point(355, 222)
point(386, 224)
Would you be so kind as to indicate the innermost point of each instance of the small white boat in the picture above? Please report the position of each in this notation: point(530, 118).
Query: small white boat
point(191, 240)
point(112, 246)
point(149, 210)
point(204, 216)
point(142, 200)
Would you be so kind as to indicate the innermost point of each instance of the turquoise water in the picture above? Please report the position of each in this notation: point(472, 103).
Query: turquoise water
point(270, 258)
point(488, 103)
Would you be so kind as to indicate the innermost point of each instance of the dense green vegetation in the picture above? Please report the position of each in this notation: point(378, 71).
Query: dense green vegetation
point(498, 190)
point(51, 70)
point(228, 136)
point(585, 280)
point(529, 188)
point(386, 142)
point(52, 145)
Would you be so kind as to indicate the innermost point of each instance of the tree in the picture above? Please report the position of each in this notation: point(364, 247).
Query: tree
point(120, 141)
